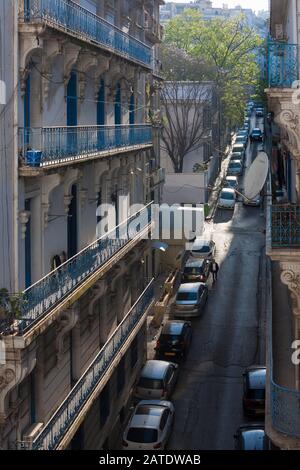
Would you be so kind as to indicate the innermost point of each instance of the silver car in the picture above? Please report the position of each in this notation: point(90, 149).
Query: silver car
point(157, 380)
point(190, 300)
point(203, 248)
point(150, 426)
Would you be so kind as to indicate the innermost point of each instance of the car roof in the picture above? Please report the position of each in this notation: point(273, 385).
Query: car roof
point(155, 369)
point(147, 416)
point(235, 162)
point(231, 178)
point(173, 328)
point(256, 378)
point(190, 287)
point(201, 242)
point(228, 190)
point(253, 438)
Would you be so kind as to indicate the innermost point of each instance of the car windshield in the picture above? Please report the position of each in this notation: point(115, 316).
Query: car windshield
point(227, 196)
point(202, 249)
point(256, 131)
point(186, 296)
point(234, 165)
point(169, 338)
point(142, 435)
point(193, 271)
point(256, 394)
point(154, 384)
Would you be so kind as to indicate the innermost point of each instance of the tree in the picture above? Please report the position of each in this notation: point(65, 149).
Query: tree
point(187, 118)
point(227, 47)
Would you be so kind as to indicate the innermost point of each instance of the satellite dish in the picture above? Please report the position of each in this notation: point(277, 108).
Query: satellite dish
point(256, 176)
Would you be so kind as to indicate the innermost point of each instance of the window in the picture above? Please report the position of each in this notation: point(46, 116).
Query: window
point(50, 356)
point(142, 435)
point(206, 151)
point(134, 352)
point(121, 376)
point(104, 405)
point(207, 117)
point(189, 296)
point(164, 419)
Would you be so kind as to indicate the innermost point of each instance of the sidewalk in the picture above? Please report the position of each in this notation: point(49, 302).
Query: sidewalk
point(214, 196)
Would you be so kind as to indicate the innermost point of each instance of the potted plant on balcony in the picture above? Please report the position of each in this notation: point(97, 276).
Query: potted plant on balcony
point(10, 311)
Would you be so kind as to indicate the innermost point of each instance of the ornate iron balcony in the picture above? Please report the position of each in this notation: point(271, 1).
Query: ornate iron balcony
point(47, 293)
point(64, 417)
point(49, 146)
point(285, 226)
point(73, 19)
point(283, 64)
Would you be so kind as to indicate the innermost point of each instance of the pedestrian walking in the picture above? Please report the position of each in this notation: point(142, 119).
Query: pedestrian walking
point(214, 269)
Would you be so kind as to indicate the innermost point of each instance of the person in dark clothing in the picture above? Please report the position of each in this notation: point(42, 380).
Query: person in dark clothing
point(214, 269)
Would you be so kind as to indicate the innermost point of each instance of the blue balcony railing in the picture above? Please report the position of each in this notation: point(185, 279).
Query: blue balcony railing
point(285, 226)
point(47, 293)
point(283, 64)
point(64, 417)
point(284, 402)
point(73, 19)
point(42, 147)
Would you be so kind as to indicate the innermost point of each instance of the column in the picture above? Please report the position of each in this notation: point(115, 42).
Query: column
point(291, 277)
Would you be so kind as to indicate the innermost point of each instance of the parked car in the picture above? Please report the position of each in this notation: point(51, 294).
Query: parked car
point(231, 182)
point(255, 202)
point(239, 148)
point(237, 156)
point(256, 135)
point(190, 300)
point(157, 380)
point(246, 127)
point(150, 426)
point(203, 248)
point(174, 340)
point(227, 199)
point(254, 390)
point(259, 112)
point(243, 132)
point(247, 120)
point(252, 437)
point(241, 139)
point(235, 168)
point(196, 270)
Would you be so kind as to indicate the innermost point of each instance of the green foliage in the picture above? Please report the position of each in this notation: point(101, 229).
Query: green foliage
point(226, 50)
point(10, 305)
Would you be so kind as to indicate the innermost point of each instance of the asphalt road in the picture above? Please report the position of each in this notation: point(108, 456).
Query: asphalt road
point(227, 338)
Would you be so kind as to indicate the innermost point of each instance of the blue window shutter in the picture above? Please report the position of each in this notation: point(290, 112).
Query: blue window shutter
point(118, 117)
point(72, 119)
point(101, 105)
point(131, 110)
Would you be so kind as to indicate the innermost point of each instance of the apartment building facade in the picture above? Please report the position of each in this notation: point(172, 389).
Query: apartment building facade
point(283, 241)
point(81, 78)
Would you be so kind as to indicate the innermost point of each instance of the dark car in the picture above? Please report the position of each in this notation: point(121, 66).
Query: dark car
point(254, 390)
point(259, 112)
point(196, 270)
point(256, 135)
point(174, 340)
point(252, 437)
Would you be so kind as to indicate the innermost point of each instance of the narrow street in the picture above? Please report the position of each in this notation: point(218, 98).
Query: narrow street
point(228, 337)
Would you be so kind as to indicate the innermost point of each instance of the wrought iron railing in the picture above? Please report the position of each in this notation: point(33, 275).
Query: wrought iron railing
point(283, 64)
point(48, 292)
point(284, 402)
point(285, 226)
point(64, 417)
point(46, 146)
point(72, 18)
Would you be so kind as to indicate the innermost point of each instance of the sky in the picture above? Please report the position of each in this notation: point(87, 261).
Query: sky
point(253, 4)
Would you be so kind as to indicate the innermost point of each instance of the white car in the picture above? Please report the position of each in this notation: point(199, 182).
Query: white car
point(150, 426)
point(157, 380)
point(203, 248)
point(227, 199)
point(231, 182)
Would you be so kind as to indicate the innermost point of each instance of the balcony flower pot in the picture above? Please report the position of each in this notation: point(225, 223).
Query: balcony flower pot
point(10, 312)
